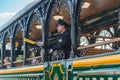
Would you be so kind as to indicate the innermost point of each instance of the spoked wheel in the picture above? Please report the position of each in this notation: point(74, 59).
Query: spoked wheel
point(57, 55)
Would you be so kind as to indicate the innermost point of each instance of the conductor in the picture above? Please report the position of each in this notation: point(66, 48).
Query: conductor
point(63, 42)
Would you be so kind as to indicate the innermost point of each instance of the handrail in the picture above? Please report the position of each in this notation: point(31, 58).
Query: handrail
point(7, 64)
point(18, 61)
point(28, 59)
point(34, 58)
point(99, 44)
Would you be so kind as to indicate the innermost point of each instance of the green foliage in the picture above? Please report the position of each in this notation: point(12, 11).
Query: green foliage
point(20, 57)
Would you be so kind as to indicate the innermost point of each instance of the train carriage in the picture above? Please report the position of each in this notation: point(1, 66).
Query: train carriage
point(95, 41)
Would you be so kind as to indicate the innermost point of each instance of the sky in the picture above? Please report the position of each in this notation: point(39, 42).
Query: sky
point(8, 8)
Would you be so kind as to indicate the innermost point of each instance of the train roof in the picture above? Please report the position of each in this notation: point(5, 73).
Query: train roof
point(96, 7)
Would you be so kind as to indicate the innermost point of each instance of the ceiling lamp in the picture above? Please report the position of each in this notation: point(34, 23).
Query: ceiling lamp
point(38, 26)
point(86, 5)
point(30, 33)
point(58, 15)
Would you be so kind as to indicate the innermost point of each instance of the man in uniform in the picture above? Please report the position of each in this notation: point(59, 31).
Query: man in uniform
point(63, 42)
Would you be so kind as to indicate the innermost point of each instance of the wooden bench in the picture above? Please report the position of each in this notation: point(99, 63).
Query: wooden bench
point(99, 44)
point(93, 51)
point(90, 50)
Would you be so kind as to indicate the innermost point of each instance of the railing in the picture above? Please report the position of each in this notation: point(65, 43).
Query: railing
point(85, 50)
point(99, 44)
point(20, 62)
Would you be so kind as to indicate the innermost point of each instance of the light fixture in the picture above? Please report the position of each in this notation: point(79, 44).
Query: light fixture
point(86, 5)
point(58, 15)
point(30, 33)
point(38, 26)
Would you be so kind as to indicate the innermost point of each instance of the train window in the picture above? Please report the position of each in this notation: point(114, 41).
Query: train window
point(97, 37)
point(7, 51)
point(110, 78)
point(59, 12)
point(101, 78)
point(18, 47)
point(87, 78)
point(118, 78)
point(80, 78)
point(94, 78)
point(35, 34)
point(97, 42)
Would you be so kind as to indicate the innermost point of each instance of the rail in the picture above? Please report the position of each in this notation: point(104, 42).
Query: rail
point(99, 44)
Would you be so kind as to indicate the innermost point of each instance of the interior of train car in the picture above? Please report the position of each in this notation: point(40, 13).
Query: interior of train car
point(99, 31)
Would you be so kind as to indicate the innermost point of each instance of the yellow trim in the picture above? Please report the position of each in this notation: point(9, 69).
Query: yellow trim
point(21, 70)
point(106, 60)
point(54, 65)
point(67, 75)
point(29, 41)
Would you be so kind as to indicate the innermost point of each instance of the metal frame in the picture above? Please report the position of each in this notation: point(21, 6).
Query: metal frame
point(44, 9)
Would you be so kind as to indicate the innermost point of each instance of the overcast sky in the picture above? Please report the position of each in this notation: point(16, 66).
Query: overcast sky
point(9, 8)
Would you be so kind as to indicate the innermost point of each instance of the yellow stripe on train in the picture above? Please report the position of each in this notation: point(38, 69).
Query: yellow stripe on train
point(105, 60)
point(23, 70)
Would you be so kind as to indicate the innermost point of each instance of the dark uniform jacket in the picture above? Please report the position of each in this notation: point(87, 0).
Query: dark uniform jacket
point(63, 43)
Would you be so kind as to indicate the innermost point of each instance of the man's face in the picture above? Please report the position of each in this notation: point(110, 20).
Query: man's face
point(60, 28)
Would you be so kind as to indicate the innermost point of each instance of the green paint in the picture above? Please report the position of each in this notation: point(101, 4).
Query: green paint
point(56, 74)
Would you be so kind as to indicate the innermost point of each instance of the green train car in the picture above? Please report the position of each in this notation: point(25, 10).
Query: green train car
point(95, 41)
point(99, 67)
